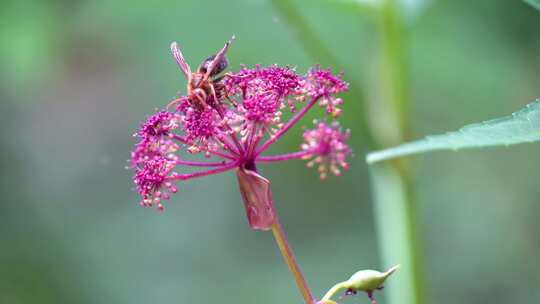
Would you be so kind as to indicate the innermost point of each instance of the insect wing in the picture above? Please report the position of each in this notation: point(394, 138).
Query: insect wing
point(177, 54)
point(219, 57)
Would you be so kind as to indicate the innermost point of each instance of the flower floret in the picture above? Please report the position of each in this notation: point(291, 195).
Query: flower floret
point(263, 92)
point(328, 147)
point(323, 84)
point(153, 182)
point(153, 137)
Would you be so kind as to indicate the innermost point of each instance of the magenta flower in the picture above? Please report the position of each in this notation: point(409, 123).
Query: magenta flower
point(242, 116)
point(328, 143)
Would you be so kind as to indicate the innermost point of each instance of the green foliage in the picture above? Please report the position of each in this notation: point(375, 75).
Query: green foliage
point(520, 127)
point(410, 8)
point(534, 3)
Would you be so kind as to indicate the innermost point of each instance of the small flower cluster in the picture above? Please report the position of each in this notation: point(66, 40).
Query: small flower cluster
point(264, 92)
point(331, 150)
point(154, 158)
point(245, 122)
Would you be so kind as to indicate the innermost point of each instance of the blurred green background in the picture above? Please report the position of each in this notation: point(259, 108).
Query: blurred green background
point(77, 78)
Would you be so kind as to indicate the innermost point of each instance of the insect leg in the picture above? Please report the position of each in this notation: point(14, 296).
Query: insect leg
point(220, 78)
point(174, 102)
point(213, 91)
point(202, 103)
point(370, 296)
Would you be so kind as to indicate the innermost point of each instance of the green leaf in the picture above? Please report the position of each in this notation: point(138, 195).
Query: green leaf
point(520, 127)
point(534, 3)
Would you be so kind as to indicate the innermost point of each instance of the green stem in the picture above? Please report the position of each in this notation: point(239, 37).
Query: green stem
point(393, 185)
point(393, 44)
point(395, 209)
point(303, 32)
point(290, 259)
point(395, 217)
point(335, 289)
point(318, 51)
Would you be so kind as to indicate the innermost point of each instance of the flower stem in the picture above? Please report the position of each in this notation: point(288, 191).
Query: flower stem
point(223, 168)
point(288, 125)
point(200, 164)
point(290, 259)
point(227, 145)
point(214, 152)
point(335, 289)
point(283, 157)
point(306, 35)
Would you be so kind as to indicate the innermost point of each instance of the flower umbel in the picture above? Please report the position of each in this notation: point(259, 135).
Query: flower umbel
point(328, 148)
point(233, 128)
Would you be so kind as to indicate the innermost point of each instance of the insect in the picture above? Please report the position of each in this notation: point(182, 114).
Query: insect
point(204, 89)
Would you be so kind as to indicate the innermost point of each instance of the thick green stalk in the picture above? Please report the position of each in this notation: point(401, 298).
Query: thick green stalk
point(395, 217)
point(395, 209)
point(301, 30)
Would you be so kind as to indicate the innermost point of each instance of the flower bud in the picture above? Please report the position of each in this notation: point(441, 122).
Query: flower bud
point(366, 280)
point(363, 280)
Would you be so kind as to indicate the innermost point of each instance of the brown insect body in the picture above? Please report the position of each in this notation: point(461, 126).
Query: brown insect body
point(203, 89)
point(204, 92)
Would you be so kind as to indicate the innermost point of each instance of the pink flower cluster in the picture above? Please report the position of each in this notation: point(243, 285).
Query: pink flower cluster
point(331, 150)
point(236, 130)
